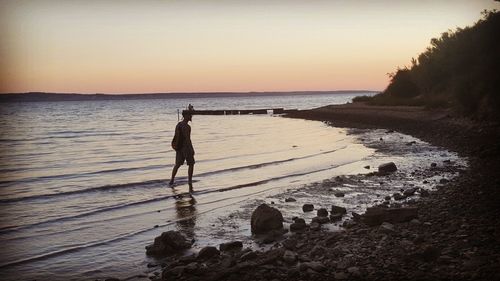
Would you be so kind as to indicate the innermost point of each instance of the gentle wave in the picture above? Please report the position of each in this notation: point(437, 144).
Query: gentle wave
point(142, 184)
point(206, 191)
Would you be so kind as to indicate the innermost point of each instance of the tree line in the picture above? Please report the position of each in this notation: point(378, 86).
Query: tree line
point(459, 70)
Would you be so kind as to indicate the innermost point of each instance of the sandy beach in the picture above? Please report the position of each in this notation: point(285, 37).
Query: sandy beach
point(454, 237)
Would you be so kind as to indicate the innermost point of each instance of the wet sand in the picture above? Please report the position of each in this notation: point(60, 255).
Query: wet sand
point(455, 237)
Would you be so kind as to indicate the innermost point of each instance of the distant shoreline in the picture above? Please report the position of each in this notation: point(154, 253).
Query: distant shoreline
point(42, 96)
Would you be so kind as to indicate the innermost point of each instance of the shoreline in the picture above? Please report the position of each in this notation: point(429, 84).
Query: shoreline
point(456, 235)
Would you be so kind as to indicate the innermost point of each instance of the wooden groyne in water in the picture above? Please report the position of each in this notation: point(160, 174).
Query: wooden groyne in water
point(239, 111)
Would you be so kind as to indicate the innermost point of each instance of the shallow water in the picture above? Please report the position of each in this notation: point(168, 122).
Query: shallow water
point(83, 185)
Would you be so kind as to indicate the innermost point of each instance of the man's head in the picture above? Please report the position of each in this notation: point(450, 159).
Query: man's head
point(187, 116)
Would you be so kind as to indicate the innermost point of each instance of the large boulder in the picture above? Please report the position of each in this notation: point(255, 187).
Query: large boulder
point(265, 219)
point(387, 168)
point(168, 243)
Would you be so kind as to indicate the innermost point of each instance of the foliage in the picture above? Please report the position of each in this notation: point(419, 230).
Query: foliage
point(461, 69)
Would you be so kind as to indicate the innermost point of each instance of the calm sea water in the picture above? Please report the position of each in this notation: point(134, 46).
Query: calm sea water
point(83, 185)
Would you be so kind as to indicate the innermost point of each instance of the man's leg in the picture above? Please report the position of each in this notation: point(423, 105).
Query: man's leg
point(174, 172)
point(190, 177)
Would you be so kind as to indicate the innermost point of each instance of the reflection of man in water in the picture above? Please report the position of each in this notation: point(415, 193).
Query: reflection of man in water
point(186, 214)
point(186, 152)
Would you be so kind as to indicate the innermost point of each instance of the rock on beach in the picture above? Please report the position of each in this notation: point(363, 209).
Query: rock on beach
point(387, 168)
point(169, 242)
point(265, 219)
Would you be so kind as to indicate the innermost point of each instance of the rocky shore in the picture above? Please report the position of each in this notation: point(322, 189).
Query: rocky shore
point(452, 233)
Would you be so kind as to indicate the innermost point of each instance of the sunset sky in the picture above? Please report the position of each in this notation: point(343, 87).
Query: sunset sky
point(205, 46)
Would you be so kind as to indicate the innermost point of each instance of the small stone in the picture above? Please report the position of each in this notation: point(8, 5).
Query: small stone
point(354, 270)
point(410, 191)
point(433, 165)
point(320, 220)
point(289, 257)
point(366, 167)
point(322, 212)
point(315, 226)
point(430, 253)
point(338, 210)
point(234, 245)
point(443, 181)
point(336, 217)
point(339, 194)
point(424, 193)
point(290, 199)
point(308, 207)
point(387, 168)
point(387, 198)
point(208, 253)
point(314, 265)
point(294, 227)
point(317, 251)
point(386, 227)
point(248, 256)
point(398, 196)
point(289, 244)
point(415, 222)
point(340, 275)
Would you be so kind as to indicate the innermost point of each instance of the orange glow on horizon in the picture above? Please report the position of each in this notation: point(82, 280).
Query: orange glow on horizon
point(216, 46)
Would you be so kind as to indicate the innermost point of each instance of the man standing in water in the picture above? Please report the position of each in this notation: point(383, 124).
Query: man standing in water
point(184, 150)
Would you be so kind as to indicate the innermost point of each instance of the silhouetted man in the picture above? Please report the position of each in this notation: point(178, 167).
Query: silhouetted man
point(185, 150)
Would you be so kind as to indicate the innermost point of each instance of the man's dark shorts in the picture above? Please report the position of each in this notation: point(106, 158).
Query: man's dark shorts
point(184, 155)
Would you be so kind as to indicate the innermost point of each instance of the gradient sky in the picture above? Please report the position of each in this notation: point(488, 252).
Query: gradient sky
point(204, 46)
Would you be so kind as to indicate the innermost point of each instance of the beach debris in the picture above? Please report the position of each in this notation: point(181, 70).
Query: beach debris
point(308, 207)
point(168, 243)
point(322, 212)
point(265, 219)
point(233, 245)
point(387, 168)
point(207, 253)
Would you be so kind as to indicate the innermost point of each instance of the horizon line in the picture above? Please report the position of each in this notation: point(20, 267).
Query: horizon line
point(209, 92)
